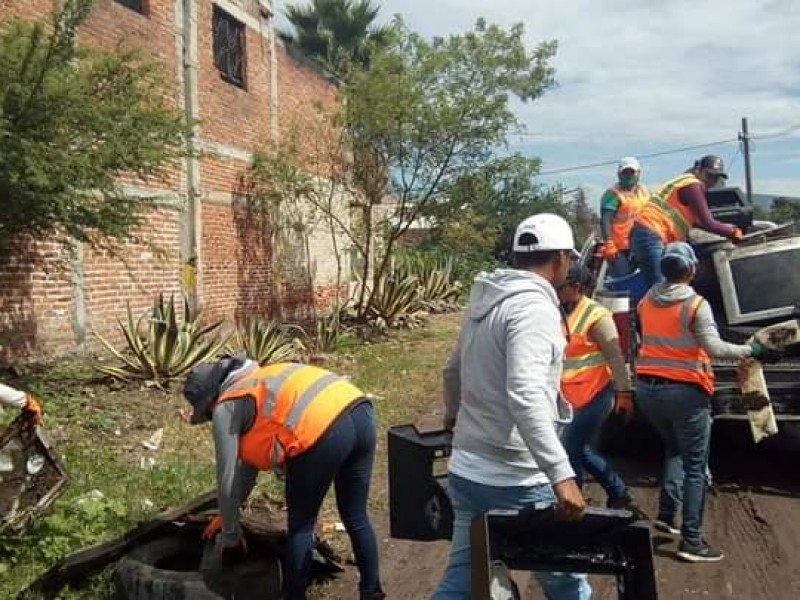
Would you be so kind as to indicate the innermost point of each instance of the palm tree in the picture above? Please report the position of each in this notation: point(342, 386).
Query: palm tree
point(336, 33)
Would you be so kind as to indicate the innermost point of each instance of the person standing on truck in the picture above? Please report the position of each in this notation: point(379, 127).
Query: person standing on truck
point(311, 424)
point(595, 380)
point(618, 208)
point(674, 386)
point(501, 394)
point(672, 211)
point(26, 402)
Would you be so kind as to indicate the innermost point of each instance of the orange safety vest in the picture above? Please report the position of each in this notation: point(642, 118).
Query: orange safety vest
point(586, 372)
point(295, 406)
point(631, 203)
point(669, 347)
point(666, 215)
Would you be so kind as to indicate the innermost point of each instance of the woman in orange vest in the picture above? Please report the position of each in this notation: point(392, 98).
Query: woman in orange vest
point(593, 359)
point(618, 208)
point(674, 387)
point(673, 211)
point(305, 422)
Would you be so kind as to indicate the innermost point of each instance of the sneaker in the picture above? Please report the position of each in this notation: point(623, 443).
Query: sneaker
point(701, 552)
point(665, 527)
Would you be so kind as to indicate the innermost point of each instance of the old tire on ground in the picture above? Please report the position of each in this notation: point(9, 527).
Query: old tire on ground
point(168, 568)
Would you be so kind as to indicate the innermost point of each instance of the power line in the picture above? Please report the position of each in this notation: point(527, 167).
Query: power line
point(781, 133)
point(605, 163)
point(732, 160)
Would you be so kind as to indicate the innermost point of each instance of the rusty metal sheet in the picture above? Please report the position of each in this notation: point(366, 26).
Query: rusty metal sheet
point(32, 475)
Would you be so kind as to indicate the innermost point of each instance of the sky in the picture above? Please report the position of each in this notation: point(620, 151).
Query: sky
point(638, 77)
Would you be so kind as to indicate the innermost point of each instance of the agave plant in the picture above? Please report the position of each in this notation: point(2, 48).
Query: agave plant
point(436, 282)
point(265, 342)
point(437, 291)
point(329, 333)
point(393, 296)
point(159, 347)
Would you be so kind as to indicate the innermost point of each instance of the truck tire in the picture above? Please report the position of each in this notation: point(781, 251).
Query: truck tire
point(168, 568)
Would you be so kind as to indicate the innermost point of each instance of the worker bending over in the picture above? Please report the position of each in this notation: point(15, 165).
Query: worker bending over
point(310, 423)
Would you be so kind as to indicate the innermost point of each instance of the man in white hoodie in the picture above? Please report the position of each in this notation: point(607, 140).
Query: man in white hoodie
point(501, 394)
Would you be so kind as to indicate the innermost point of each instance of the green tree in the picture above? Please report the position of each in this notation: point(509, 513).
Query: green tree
point(480, 212)
point(72, 120)
point(336, 33)
point(428, 113)
point(584, 220)
point(785, 209)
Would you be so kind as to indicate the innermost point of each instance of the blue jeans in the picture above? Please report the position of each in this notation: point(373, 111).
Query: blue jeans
point(579, 437)
point(620, 266)
point(344, 457)
point(470, 500)
point(647, 248)
point(681, 413)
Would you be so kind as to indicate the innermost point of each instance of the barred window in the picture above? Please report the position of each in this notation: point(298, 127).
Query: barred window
point(137, 5)
point(228, 34)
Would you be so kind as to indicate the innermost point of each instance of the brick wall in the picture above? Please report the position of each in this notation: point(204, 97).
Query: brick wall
point(54, 295)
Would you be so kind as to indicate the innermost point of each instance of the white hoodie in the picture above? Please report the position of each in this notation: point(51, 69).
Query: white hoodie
point(502, 380)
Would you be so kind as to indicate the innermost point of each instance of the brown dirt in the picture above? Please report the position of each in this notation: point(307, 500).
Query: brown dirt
point(753, 514)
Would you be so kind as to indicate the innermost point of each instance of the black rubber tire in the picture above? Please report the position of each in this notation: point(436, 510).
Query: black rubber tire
point(139, 577)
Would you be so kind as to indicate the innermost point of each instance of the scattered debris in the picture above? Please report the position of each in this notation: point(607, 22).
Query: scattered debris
point(154, 441)
point(93, 496)
point(147, 462)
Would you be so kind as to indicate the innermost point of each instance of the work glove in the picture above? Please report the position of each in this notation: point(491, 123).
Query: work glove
point(213, 528)
point(737, 235)
point(623, 404)
point(765, 355)
point(33, 410)
point(610, 250)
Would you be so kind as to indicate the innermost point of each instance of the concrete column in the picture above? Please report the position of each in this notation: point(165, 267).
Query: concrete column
point(186, 43)
point(78, 282)
point(274, 101)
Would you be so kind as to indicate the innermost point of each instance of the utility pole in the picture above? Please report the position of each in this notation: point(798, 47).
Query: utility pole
point(744, 137)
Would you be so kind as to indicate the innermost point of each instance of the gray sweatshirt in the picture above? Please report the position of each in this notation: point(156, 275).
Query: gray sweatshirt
point(704, 326)
point(235, 479)
point(502, 381)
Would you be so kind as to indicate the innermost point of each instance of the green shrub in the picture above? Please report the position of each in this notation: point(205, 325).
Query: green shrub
point(167, 348)
point(265, 342)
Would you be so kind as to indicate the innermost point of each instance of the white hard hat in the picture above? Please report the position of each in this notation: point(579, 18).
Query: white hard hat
point(544, 232)
point(629, 162)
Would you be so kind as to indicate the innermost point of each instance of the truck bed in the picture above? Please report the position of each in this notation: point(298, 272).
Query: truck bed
point(783, 381)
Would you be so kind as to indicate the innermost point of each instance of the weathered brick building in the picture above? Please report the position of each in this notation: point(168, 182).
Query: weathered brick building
point(234, 77)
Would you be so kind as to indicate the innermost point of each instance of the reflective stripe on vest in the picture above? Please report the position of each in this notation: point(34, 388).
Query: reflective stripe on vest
point(669, 348)
point(586, 372)
point(630, 203)
point(295, 406)
point(664, 213)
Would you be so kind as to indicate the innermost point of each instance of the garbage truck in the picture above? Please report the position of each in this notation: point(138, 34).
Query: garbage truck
point(750, 286)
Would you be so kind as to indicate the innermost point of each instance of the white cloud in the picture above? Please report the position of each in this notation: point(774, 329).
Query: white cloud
point(643, 76)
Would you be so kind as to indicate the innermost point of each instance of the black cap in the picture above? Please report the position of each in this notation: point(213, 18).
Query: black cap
point(712, 164)
point(203, 385)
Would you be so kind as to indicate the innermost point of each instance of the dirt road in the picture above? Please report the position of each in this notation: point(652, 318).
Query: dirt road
point(753, 514)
